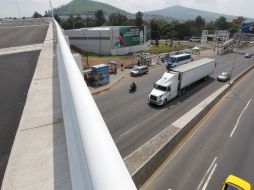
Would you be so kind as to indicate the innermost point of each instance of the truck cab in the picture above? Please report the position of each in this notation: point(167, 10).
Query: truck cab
point(164, 89)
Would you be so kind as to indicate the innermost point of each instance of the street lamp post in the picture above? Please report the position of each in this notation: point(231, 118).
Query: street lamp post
point(231, 73)
point(19, 14)
point(52, 14)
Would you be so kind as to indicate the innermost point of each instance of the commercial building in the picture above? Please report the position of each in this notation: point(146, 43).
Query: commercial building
point(111, 40)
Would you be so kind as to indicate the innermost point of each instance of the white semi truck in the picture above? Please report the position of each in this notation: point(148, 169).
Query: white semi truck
point(175, 81)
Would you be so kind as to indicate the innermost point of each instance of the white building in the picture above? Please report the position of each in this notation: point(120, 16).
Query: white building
point(110, 40)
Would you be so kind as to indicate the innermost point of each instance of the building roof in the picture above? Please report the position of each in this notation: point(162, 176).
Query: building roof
point(180, 55)
point(99, 28)
point(100, 65)
point(113, 62)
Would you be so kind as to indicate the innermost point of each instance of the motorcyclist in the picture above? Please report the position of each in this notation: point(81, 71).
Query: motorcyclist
point(133, 86)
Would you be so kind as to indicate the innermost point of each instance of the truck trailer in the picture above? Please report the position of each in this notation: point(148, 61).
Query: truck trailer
point(176, 81)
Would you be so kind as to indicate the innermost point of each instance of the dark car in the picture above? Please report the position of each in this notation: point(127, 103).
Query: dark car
point(247, 55)
point(223, 77)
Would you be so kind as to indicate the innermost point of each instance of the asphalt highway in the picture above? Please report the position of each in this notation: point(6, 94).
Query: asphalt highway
point(222, 144)
point(132, 122)
point(13, 35)
point(16, 72)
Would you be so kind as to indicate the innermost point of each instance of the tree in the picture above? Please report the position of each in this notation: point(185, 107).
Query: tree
point(233, 28)
point(57, 18)
point(79, 22)
point(69, 23)
point(167, 32)
point(192, 29)
point(36, 15)
point(117, 19)
point(239, 20)
point(139, 18)
point(47, 13)
point(155, 34)
point(200, 24)
point(221, 23)
point(100, 19)
point(131, 22)
point(90, 22)
point(210, 26)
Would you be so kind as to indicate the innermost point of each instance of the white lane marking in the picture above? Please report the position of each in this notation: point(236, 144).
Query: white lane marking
point(237, 122)
point(207, 172)
point(24, 26)
point(209, 177)
point(19, 49)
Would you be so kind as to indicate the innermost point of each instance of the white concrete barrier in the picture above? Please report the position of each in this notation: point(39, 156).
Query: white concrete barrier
point(95, 163)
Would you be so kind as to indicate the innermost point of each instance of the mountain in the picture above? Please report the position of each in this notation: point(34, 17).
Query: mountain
point(184, 13)
point(87, 7)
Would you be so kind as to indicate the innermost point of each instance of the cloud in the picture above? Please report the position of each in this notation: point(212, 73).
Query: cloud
point(233, 7)
point(9, 8)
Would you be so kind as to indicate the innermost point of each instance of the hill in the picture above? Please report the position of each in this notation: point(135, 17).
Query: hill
point(184, 13)
point(87, 7)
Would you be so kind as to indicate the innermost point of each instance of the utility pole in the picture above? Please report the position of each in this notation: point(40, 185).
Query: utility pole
point(73, 26)
point(17, 4)
point(52, 14)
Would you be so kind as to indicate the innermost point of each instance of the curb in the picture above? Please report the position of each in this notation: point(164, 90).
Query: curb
point(181, 127)
point(110, 86)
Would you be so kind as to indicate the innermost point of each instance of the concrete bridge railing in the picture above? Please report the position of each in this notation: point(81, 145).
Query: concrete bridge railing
point(95, 163)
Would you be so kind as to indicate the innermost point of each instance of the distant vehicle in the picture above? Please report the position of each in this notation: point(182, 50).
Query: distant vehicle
point(175, 60)
point(235, 183)
point(195, 39)
point(196, 50)
point(176, 81)
point(223, 77)
point(247, 55)
point(139, 70)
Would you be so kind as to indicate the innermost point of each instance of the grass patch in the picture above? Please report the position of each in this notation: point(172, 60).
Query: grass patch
point(163, 48)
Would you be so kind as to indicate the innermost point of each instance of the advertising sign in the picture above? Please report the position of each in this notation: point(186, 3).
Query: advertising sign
point(128, 36)
point(248, 28)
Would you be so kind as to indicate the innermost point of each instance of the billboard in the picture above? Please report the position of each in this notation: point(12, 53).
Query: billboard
point(128, 36)
point(248, 27)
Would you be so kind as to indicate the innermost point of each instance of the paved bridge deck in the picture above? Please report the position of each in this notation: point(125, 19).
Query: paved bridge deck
point(38, 159)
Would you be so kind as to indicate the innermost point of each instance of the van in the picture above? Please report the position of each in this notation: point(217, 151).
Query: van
point(139, 70)
point(195, 39)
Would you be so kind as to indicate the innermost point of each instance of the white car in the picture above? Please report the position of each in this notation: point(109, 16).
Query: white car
point(140, 70)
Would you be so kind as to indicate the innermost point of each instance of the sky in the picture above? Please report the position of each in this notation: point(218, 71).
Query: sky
point(20, 8)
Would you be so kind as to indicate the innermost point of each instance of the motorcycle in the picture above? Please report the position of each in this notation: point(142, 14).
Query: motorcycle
point(132, 88)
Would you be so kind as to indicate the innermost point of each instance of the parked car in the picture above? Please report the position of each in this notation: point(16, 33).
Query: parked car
point(223, 76)
point(247, 55)
point(139, 70)
point(235, 183)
